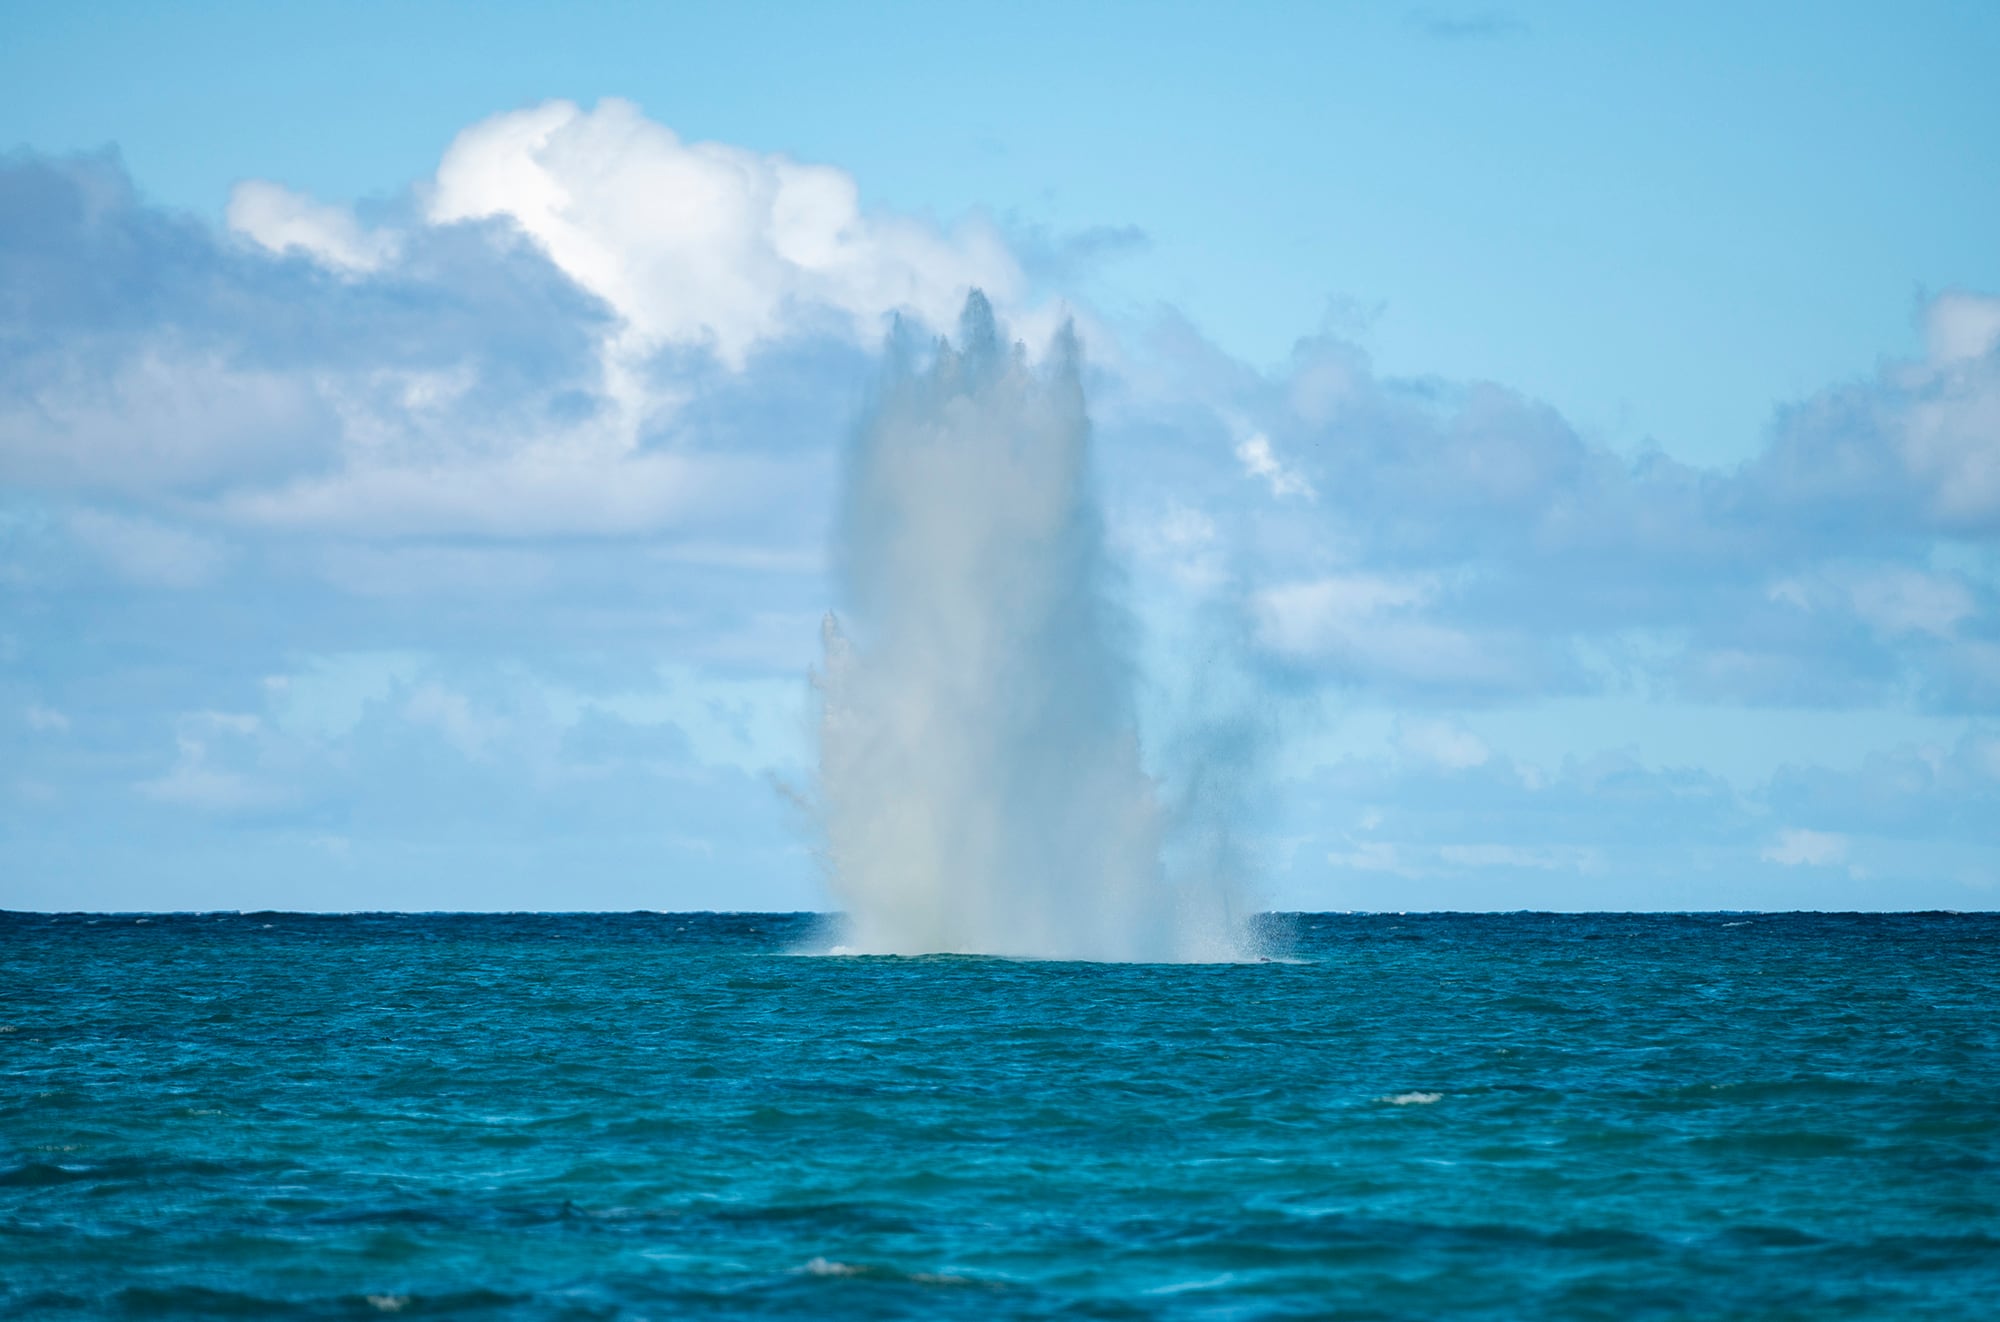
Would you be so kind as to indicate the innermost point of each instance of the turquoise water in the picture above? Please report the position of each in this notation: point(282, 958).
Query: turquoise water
point(1525, 1116)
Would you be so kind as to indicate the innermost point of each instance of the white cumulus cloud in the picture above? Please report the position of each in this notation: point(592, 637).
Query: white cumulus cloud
point(707, 243)
point(695, 248)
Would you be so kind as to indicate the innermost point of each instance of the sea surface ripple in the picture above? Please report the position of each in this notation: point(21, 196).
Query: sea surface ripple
point(659, 1115)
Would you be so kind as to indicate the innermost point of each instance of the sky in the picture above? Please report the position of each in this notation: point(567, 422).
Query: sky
point(1567, 435)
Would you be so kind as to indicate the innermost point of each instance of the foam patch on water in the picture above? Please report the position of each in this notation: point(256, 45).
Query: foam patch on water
point(832, 1267)
point(1412, 1098)
point(1195, 1286)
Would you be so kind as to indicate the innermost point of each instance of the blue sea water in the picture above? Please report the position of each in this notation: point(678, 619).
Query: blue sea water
point(598, 1116)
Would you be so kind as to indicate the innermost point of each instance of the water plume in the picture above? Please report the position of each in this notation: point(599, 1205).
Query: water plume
point(981, 784)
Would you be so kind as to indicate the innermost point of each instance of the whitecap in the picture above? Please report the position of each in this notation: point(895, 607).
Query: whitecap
point(1186, 1287)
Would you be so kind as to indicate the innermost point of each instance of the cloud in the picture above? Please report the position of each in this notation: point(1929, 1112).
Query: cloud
point(1965, 677)
point(1917, 792)
point(395, 571)
point(201, 777)
point(281, 220)
point(1179, 539)
point(449, 713)
point(1899, 600)
point(1553, 858)
point(541, 490)
point(46, 720)
point(1911, 828)
point(147, 552)
point(350, 776)
point(1387, 631)
point(583, 326)
point(706, 244)
point(1442, 743)
point(1960, 326)
point(1257, 459)
point(1418, 860)
point(1837, 568)
point(1797, 848)
point(1501, 833)
point(1481, 25)
point(1892, 600)
point(1065, 258)
point(573, 405)
point(165, 418)
point(147, 358)
point(1913, 450)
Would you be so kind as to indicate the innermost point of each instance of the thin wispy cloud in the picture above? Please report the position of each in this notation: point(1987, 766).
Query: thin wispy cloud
point(1474, 25)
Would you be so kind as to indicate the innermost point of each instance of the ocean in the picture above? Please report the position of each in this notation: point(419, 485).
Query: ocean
point(675, 1115)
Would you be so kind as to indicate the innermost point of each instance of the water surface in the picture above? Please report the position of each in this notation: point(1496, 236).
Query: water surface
point(598, 1116)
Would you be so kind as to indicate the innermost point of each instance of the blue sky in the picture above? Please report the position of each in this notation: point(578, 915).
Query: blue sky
point(1585, 422)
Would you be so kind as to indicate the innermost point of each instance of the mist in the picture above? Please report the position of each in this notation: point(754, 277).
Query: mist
point(982, 782)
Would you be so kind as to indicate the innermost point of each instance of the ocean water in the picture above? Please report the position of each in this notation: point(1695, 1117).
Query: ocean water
point(591, 1116)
